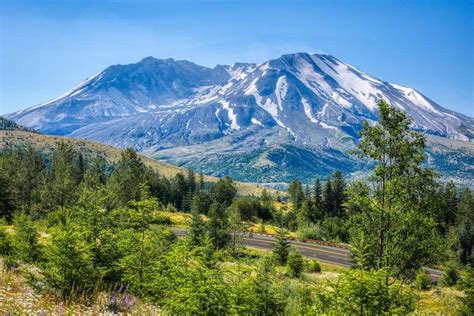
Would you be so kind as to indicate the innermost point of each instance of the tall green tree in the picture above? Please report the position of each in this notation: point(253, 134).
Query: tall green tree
point(218, 225)
point(224, 192)
point(466, 226)
point(281, 248)
point(328, 198)
point(63, 182)
point(317, 209)
point(338, 194)
point(295, 190)
point(127, 177)
point(393, 217)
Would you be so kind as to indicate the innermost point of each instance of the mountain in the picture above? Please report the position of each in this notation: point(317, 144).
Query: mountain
point(297, 115)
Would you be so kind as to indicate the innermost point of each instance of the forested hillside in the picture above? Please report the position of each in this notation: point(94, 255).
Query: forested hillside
point(7, 125)
point(88, 233)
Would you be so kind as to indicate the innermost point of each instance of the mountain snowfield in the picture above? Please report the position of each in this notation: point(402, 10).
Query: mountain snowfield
point(293, 116)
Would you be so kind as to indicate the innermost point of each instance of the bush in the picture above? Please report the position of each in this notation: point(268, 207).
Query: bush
point(25, 246)
point(422, 280)
point(312, 231)
point(313, 266)
point(69, 266)
point(334, 229)
point(295, 264)
point(450, 276)
point(4, 239)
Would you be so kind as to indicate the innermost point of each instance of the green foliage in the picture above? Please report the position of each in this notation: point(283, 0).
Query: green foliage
point(394, 215)
point(295, 190)
point(5, 243)
point(127, 178)
point(188, 286)
point(223, 192)
point(422, 281)
point(468, 300)
point(282, 247)
point(201, 202)
point(24, 241)
point(218, 225)
point(197, 228)
point(295, 263)
point(62, 177)
point(312, 231)
point(142, 251)
point(334, 229)
point(466, 226)
point(267, 300)
point(450, 276)
point(68, 267)
point(313, 266)
point(360, 292)
point(318, 201)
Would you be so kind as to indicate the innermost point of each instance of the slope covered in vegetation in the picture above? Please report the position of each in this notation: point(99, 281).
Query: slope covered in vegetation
point(79, 228)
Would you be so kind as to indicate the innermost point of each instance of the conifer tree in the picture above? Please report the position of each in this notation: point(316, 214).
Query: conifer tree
point(296, 194)
point(224, 192)
point(295, 263)
point(466, 223)
point(127, 177)
point(338, 194)
point(197, 228)
point(218, 225)
point(317, 209)
point(282, 247)
point(328, 198)
point(25, 239)
point(201, 202)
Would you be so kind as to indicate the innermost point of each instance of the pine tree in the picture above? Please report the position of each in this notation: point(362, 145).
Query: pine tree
point(328, 198)
point(197, 228)
point(63, 182)
point(6, 199)
point(317, 209)
point(127, 177)
point(201, 202)
point(201, 185)
point(468, 300)
point(191, 178)
point(282, 247)
point(338, 193)
point(295, 190)
point(25, 247)
point(218, 225)
point(295, 263)
point(224, 192)
point(466, 226)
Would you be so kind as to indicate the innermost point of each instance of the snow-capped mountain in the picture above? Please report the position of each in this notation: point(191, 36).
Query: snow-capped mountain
point(198, 116)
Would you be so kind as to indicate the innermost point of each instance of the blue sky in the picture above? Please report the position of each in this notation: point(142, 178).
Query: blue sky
point(46, 47)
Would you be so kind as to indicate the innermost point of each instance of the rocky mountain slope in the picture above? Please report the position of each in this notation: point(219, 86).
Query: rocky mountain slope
point(297, 115)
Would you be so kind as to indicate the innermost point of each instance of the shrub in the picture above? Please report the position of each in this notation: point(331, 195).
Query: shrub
point(295, 263)
point(312, 231)
point(422, 280)
point(313, 266)
point(450, 276)
point(4, 239)
point(25, 246)
point(68, 266)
